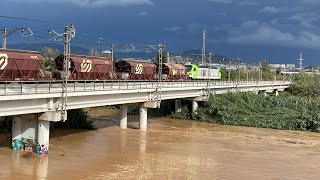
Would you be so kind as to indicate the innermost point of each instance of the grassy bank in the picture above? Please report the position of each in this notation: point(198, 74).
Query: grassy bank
point(248, 109)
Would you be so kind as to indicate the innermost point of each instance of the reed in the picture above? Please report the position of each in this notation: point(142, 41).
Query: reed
point(248, 109)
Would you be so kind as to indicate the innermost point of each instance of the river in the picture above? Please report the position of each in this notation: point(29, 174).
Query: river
point(171, 149)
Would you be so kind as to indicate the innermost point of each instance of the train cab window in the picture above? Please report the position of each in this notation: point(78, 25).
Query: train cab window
point(189, 68)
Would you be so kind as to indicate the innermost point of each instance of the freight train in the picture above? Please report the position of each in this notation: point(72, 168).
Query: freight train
point(18, 65)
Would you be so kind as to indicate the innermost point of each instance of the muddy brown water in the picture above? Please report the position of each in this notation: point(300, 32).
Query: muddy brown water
point(171, 149)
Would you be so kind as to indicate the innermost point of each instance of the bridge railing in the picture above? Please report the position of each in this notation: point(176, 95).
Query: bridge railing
point(44, 87)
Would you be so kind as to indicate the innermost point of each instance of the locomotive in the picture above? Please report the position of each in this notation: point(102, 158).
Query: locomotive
point(20, 65)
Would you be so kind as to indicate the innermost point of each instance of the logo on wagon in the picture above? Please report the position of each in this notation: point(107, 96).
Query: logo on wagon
point(3, 61)
point(86, 66)
point(139, 69)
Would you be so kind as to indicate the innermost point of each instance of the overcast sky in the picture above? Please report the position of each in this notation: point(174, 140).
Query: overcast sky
point(277, 30)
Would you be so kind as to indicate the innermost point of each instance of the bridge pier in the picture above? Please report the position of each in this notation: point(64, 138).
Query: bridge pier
point(143, 119)
point(194, 107)
point(24, 132)
point(30, 132)
point(123, 116)
point(16, 132)
point(276, 92)
point(43, 136)
point(177, 105)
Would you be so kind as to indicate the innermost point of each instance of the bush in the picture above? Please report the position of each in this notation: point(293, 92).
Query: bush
point(77, 119)
point(184, 114)
point(305, 85)
point(248, 109)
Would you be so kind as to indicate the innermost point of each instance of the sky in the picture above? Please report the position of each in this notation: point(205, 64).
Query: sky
point(275, 30)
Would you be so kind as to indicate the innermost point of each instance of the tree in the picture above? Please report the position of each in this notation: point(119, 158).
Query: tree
point(265, 69)
point(265, 66)
point(49, 54)
point(164, 58)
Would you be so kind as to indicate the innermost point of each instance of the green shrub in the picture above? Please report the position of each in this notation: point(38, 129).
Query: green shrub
point(184, 114)
point(305, 85)
point(77, 119)
point(248, 109)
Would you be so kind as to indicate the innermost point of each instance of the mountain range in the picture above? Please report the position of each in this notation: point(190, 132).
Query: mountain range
point(192, 53)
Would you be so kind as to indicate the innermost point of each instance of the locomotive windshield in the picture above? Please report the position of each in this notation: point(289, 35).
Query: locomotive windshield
point(189, 68)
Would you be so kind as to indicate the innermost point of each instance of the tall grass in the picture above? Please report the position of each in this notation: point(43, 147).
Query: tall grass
point(305, 85)
point(248, 109)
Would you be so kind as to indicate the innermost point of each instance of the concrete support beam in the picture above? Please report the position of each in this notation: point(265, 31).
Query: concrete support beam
point(43, 137)
point(54, 116)
point(199, 98)
point(149, 104)
point(123, 116)
point(143, 119)
point(276, 92)
point(195, 107)
point(178, 105)
point(16, 132)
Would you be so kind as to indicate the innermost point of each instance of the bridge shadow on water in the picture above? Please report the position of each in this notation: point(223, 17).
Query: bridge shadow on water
point(5, 140)
point(99, 122)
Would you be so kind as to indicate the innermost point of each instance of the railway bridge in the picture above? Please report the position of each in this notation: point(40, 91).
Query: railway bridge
point(34, 105)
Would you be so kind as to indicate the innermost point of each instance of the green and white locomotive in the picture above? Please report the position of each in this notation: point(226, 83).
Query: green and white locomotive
point(203, 72)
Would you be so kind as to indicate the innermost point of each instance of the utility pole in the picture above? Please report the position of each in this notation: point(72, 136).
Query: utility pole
point(24, 32)
point(209, 72)
point(260, 72)
point(300, 61)
point(168, 57)
point(4, 37)
point(229, 72)
point(161, 47)
point(204, 34)
point(69, 32)
point(247, 67)
point(239, 78)
point(112, 56)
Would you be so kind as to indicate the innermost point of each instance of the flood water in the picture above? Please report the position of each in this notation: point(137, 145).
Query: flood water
point(171, 149)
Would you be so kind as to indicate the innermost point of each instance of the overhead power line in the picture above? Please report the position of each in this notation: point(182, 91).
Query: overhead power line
point(33, 20)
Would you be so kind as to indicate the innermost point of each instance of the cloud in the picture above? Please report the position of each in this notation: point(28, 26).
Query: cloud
point(143, 13)
point(306, 20)
point(273, 10)
point(92, 3)
point(256, 33)
point(310, 1)
point(222, 1)
point(246, 3)
point(173, 29)
point(241, 3)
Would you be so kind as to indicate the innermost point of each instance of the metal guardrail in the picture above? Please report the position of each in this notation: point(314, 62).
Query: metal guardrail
point(9, 88)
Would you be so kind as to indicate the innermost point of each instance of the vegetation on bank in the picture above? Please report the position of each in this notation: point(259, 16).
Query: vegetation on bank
point(77, 119)
point(307, 85)
point(248, 109)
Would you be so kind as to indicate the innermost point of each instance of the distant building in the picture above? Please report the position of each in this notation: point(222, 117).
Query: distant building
point(107, 54)
point(277, 66)
point(290, 66)
point(282, 66)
